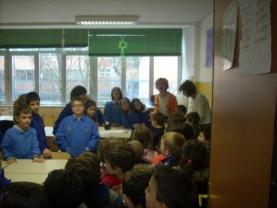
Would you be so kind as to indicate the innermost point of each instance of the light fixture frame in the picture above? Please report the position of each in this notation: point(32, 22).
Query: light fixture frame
point(106, 19)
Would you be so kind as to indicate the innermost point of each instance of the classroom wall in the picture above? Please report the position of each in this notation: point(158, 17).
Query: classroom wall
point(242, 129)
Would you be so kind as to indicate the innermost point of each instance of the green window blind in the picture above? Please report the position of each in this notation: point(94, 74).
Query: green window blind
point(136, 42)
point(75, 37)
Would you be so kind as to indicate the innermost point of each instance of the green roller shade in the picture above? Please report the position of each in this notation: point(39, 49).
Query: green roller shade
point(75, 37)
point(31, 38)
point(135, 42)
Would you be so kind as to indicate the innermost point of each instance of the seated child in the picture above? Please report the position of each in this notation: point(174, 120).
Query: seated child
point(204, 137)
point(158, 121)
point(129, 118)
point(139, 109)
point(171, 148)
point(138, 150)
point(143, 134)
point(91, 111)
point(181, 110)
point(77, 133)
point(23, 195)
point(20, 141)
point(193, 119)
point(33, 101)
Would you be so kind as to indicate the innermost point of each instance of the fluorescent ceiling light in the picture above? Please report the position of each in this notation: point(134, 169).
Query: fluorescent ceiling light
point(106, 20)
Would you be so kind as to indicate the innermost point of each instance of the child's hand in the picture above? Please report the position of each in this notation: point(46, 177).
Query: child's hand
point(47, 153)
point(38, 159)
point(11, 161)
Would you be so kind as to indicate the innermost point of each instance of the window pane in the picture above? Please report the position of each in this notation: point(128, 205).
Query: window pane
point(77, 73)
point(50, 82)
point(2, 78)
point(109, 76)
point(23, 70)
point(166, 67)
point(137, 78)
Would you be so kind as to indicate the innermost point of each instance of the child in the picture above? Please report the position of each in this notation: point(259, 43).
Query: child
point(77, 133)
point(138, 150)
point(77, 91)
point(112, 110)
point(164, 102)
point(193, 119)
point(33, 101)
point(205, 137)
point(158, 121)
point(129, 118)
point(91, 111)
point(139, 109)
point(181, 109)
point(23, 195)
point(142, 134)
point(170, 188)
point(21, 141)
point(171, 148)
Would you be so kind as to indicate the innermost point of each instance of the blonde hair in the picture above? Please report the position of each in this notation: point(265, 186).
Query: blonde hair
point(137, 148)
point(174, 142)
point(144, 136)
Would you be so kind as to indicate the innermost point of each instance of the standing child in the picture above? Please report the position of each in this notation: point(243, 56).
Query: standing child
point(158, 121)
point(33, 101)
point(129, 118)
point(20, 141)
point(77, 133)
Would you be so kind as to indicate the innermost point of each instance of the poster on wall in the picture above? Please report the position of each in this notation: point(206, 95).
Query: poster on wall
point(255, 43)
point(209, 49)
point(230, 18)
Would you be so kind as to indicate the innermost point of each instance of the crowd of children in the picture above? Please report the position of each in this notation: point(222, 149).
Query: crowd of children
point(167, 153)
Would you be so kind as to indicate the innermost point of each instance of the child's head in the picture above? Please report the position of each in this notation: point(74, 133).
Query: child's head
point(138, 149)
point(169, 188)
point(144, 136)
point(63, 189)
point(106, 145)
point(33, 101)
point(125, 104)
point(188, 88)
point(172, 144)
point(78, 91)
point(77, 105)
point(137, 105)
point(181, 109)
point(120, 159)
point(23, 116)
point(23, 195)
point(90, 106)
point(193, 118)
point(116, 94)
point(158, 119)
point(204, 134)
point(162, 84)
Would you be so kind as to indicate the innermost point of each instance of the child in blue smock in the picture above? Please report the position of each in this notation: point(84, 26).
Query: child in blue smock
point(129, 118)
point(20, 141)
point(77, 133)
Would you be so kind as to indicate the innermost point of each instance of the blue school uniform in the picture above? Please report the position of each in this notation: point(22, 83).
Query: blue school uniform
point(112, 112)
point(76, 136)
point(143, 117)
point(129, 119)
point(67, 111)
point(3, 180)
point(20, 144)
point(38, 124)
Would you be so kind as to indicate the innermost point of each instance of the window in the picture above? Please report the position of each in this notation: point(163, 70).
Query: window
point(50, 78)
point(23, 73)
point(109, 76)
point(166, 67)
point(77, 73)
point(2, 78)
point(137, 78)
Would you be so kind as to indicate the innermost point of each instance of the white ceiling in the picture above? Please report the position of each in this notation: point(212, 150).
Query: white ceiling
point(62, 12)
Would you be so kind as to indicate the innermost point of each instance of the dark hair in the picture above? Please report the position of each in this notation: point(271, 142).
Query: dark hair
point(127, 99)
point(63, 189)
point(189, 87)
point(193, 117)
point(182, 109)
point(32, 96)
point(159, 118)
point(23, 195)
point(206, 130)
point(78, 91)
point(162, 80)
point(174, 188)
point(80, 99)
point(120, 92)
point(89, 102)
point(135, 187)
point(133, 104)
point(194, 157)
point(121, 156)
point(143, 135)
